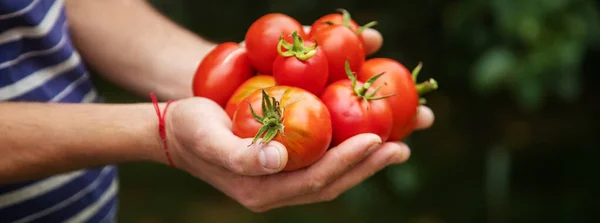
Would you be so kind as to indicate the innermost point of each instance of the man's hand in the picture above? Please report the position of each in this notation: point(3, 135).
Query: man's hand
point(202, 143)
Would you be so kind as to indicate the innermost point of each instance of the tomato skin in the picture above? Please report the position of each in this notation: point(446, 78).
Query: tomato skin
point(351, 115)
point(303, 111)
point(340, 43)
point(263, 35)
point(311, 74)
point(396, 80)
point(253, 84)
point(221, 72)
point(334, 18)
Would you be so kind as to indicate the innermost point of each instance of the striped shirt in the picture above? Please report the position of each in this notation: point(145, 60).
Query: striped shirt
point(38, 63)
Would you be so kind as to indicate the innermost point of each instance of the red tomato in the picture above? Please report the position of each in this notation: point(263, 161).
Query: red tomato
point(303, 127)
point(339, 44)
point(301, 64)
point(333, 19)
point(263, 35)
point(398, 80)
point(342, 18)
point(221, 72)
point(356, 108)
point(254, 83)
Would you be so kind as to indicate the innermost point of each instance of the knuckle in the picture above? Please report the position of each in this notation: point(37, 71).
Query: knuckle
point(316, 184)
point(250, 200)
point(235, 164)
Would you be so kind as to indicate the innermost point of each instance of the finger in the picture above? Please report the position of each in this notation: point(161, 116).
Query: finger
point(243, 157)
point(334, 163)
point(425, 118)
point(216, 144)
point(373, 40)
point(389, 153)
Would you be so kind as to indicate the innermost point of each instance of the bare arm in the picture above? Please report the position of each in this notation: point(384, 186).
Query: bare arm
point(41, 139)
point(136, 47)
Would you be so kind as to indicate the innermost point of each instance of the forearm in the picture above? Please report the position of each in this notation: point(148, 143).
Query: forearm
point(136, 47)
point(41, 139)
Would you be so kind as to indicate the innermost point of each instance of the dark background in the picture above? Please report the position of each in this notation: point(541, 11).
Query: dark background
point(513, 139)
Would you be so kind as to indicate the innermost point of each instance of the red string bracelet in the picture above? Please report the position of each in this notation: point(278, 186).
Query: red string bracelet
point(161, 126)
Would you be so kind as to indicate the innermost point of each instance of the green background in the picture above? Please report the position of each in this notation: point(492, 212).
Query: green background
point(513, 139)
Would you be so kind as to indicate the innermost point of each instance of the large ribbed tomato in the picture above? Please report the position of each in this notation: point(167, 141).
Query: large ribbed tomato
point(293, 116)
point(221, 72)
point(251, 85)
point(398, 80)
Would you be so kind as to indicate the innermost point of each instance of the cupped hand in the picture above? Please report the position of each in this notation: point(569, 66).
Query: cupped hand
point(202, 143)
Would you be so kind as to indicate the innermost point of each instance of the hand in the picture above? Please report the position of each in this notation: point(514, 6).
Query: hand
point(201, 141)
point(202, 144)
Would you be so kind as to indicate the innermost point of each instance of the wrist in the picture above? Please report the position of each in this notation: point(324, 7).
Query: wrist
point(161, 151)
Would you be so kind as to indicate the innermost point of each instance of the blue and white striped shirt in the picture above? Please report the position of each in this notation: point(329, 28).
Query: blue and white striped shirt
point(39, 63)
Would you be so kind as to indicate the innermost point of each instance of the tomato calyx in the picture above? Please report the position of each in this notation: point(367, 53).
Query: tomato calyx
point(296, 48)
point(361, 91)
point(423, 87)
point(271, 120)
point(346, 22)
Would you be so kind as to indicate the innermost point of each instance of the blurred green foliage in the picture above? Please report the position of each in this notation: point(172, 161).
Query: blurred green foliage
point(513, 139)
point(532, 48)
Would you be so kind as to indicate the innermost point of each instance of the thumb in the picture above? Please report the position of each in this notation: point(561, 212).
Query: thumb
point(256, 159)
point(241, 156)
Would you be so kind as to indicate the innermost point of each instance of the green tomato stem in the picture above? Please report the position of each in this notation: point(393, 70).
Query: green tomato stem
point(296, 48)
point(346, 22)
point(366, 26)
point(271, 119)
point(427, 86)
point(424, 87)
point(361, 91)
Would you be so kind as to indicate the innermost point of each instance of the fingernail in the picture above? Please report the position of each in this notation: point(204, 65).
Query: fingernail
point(372, 148)
point(269, 157)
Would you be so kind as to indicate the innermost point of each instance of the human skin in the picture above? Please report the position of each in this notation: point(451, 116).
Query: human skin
point(132, 45)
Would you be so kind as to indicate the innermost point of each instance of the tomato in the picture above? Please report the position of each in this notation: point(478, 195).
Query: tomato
point(333, 19)
point(294, 117)
point(356, 108)
point(342, 18)
point(253, 84)
point(221, 71)
point(263, 35)
point(339, 44)
point(398, 80)
point(301, 64)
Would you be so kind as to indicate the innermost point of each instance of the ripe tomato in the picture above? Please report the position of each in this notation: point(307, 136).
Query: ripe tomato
point(251, 85)
point(301, 64)
point(263, 35)
point(357, 108)
point(293, 126)
point(221, 72)
point(398, 80)
point(340, 44)
point(341, 18)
